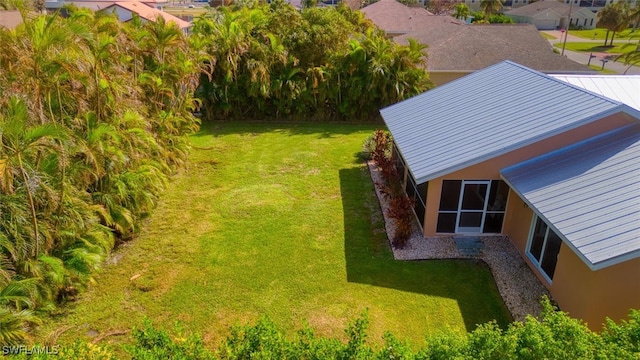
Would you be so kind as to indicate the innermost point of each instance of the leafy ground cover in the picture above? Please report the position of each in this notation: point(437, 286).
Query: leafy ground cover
point(278, 221)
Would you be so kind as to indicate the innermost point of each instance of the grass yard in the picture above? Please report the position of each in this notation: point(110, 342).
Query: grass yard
point(599, 34)
point(278, 221)
point(547, 36)
point(618, 48)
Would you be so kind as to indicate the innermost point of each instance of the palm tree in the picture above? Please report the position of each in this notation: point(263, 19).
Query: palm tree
point(20, 146)
point(490, 7)
point(613, 17)
point(15, 316)
point(461, 11)
point(634, 16)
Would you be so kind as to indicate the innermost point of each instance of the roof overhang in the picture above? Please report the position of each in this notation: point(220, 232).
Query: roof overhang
point(589, 194)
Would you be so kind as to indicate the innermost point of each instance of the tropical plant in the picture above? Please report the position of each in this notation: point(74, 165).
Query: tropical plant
point(500, 19)
point(614, 18)
point(94, 116)
point(554, 335)
point(319, 63)
point(461, 11)
point(491, 7)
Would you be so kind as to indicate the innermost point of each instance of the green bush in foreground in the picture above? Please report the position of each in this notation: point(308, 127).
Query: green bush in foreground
point(554, 336)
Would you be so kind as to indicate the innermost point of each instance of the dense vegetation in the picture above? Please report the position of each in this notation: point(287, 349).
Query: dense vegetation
point(273, 61)
point(94, 117)
point(554, 336)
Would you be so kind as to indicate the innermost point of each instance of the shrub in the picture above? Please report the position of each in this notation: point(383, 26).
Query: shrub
point(152, 343)
point(401, 212)
point(382, 143)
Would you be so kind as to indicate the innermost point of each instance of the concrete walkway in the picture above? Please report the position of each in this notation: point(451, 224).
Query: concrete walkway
point(583, 58)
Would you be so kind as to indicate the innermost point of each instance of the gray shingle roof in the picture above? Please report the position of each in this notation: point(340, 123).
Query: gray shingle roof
point(396, 18)
point(466, 48)
point(488, 113)
point(589, 193)
point(541, 6)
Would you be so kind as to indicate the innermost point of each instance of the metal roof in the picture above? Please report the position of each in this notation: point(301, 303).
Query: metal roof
point(486, 114)
point(624, 88)
point(589, 193)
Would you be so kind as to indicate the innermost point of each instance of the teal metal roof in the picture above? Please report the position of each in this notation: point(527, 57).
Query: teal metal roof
point(589, 193)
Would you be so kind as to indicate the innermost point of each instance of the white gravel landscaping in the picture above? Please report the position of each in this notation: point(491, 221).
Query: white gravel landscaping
point(520, 289)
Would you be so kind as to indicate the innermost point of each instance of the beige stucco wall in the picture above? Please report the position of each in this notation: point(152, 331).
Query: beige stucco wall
point(595, 295)
point(585, 294)
point(490, 169)
point(441, 78)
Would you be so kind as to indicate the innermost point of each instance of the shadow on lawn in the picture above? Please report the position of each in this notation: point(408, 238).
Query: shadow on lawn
point(369, 260)
point(324, 130)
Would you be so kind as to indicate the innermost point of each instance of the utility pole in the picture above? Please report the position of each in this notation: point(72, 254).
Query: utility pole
point(566, 33)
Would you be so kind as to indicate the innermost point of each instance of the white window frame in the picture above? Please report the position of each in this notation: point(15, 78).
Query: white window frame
point(534, 261)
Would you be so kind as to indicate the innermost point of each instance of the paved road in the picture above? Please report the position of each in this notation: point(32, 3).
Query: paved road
point(583, 58)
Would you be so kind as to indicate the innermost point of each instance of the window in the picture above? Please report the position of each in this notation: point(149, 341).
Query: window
point(399, 162)
point(417, 192)
point(543, 247)
point(472, 206)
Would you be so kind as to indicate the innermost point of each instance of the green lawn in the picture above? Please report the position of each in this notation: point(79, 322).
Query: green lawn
point(547, 36)
point(278, 221)
point(595, 34)
point(618, 48)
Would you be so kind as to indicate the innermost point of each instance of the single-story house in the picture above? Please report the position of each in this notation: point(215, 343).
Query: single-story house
point(550, 164)
point(126, 10)
point(456, 49)
point(147, 10)
point(474, 5)
point(551, 15)
point(396, 18)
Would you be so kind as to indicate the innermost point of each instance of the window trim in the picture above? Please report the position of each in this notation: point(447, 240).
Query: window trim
point(485, 211)
point(538, 264)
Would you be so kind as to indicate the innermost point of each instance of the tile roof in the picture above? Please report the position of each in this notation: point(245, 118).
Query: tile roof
point(396, 18)
point(151, 14)
point(486, 114)
point(589, 193)
point(624, 88)
point(466, 48)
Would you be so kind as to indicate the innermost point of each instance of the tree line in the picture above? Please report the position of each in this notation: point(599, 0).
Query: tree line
point(95, 117)
point(274, 62)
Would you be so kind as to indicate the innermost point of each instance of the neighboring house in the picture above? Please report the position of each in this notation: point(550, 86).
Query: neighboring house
point(399, 19)
point(595, 5)
point(551, 15)
point(147, 10)
point(126, 10)
point(456, 49)
point(9, 19)
point(509, 150)
point(474, 5)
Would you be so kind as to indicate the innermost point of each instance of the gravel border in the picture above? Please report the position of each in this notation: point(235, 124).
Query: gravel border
point(520, 289)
